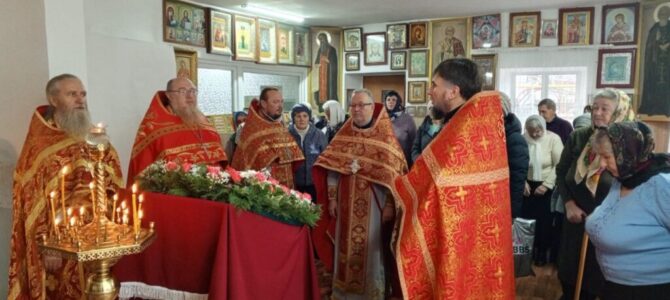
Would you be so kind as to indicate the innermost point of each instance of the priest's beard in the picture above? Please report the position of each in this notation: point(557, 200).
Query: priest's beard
point(190, 115)
point(75, 122)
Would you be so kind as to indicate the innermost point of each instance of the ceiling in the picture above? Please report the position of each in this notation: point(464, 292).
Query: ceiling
point(357, 12)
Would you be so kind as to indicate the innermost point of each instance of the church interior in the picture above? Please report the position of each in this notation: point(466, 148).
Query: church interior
point(314, 51)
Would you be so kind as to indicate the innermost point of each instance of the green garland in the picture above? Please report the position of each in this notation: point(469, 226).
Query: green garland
point(253, 191)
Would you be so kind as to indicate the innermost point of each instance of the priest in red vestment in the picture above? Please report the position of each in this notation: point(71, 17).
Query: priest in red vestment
point(353, 178)
point(265, 142)
point(56, 138)
point(174, 129)
point(455, 240)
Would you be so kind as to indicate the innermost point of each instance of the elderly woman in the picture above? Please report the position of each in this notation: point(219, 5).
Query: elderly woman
point(583, 186)
point(312, 142)
point(544, 150)
point(631, 228)
point(404, 127)
point(335, 116)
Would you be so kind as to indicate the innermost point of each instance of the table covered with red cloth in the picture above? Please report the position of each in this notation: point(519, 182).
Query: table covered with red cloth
point(206, 247)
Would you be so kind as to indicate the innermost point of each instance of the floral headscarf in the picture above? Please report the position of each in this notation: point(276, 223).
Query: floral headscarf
point(632, 145)
point(588, 164)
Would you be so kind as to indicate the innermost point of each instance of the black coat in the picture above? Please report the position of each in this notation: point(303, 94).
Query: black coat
point(423, 138)
point(517, 158)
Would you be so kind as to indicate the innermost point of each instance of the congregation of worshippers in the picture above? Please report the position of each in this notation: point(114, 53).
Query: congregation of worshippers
point(454, 183)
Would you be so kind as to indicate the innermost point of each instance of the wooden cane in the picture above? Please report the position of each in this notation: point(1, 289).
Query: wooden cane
point(582, 262)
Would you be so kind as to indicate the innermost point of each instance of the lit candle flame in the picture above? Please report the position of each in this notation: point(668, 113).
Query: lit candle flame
point(91, 185)
point(140, 214)
point(72, 221)
point(52, 195)
point(134, 188)
point(69, 211)
point(141, 198)
point(116, 197)
point(82, 210)
point(123, 205)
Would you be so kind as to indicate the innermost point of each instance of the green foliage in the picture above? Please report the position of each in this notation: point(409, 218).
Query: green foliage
point(254, 191)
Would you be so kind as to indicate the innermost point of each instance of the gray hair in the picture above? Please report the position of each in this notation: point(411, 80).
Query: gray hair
point(52, 84)
point(600, 141)
point(366, 92)
point(550, 104)
point(506, 104)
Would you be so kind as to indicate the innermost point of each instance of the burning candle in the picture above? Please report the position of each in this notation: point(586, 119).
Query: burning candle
point(82, 212)
point(115, 199)
point(73, 221)
point(52, 199)
point(63, 172)
point(118, 214)
point(92, 187)
point(135, 221)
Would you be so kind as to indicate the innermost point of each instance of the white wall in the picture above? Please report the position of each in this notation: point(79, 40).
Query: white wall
point(23, 73)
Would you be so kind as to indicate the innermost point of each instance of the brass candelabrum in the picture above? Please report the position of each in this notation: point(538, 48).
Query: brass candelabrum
point(100, 243)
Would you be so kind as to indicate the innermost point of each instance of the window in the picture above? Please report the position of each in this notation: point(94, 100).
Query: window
point(527, 87)
point(225, 87)
point(215, 91)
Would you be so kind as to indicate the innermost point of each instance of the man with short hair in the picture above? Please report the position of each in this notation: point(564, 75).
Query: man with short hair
point(265, 142)
point(55, 139)
point(454, 236)
point(547, 109)
point(174, 129)
point(353, 178)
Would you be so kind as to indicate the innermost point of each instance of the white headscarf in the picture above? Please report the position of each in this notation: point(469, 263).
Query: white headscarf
point(535, 147)
point(336, 112)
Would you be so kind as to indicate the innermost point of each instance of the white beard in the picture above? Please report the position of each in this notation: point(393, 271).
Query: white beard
point(75, 122)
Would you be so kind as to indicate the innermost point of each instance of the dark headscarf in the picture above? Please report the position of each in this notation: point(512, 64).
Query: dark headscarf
point(632, 145)
point(398, 108)
point(298, 108)
point(235, 116)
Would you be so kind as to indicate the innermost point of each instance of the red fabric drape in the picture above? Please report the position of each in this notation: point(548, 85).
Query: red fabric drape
point(208, 247)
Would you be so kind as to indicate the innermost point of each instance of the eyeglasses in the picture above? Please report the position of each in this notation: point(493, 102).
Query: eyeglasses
point(184, 91)
point(355, 106)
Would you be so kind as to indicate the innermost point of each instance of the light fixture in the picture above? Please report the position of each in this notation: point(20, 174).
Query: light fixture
point(486, 45)
point(273, 12)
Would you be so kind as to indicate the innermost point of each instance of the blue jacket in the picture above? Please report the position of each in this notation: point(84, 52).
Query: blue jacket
point(315, 143)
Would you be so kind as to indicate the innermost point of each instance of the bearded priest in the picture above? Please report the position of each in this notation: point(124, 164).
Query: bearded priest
point(174, 129)
point(55, 144)
point(265, 142)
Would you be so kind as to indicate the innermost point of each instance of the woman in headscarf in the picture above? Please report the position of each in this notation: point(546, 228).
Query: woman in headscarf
point(404, 127)
point(239, 117)
point(336, 117)
point(583, 185)
point(631, 228)
point(312, 142)
point(544, 150)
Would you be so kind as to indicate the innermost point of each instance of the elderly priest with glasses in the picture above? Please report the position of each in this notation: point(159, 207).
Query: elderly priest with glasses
point(174, 129)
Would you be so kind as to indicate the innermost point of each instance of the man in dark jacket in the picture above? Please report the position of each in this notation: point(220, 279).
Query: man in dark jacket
point(517, 156)
point(430, 127)
point(312, 142)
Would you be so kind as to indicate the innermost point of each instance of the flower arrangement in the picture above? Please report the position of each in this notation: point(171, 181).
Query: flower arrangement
point(253, 191)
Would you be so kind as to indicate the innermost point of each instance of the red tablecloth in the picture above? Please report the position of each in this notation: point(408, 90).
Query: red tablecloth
point(211, 248)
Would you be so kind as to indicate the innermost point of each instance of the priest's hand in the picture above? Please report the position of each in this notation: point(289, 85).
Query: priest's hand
point(52, 263)
point(575, 214)
point(332, 207)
